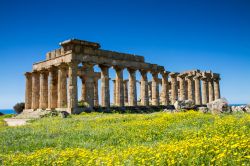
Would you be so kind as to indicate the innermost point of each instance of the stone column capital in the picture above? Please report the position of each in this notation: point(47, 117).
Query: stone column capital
point(173, 74)
point(28, 74)
point(182, 75)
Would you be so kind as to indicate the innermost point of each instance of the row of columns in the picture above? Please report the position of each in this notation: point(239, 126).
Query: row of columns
point(47, 89)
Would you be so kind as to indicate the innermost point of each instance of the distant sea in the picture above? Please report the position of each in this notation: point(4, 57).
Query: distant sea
point(7, 111)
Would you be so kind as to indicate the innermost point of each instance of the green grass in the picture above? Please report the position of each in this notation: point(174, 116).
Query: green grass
point(100, 132)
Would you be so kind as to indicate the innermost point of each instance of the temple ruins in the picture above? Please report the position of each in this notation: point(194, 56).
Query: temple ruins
point(53, 85)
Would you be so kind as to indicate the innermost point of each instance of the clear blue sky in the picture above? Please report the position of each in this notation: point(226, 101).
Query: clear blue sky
point(180, 35)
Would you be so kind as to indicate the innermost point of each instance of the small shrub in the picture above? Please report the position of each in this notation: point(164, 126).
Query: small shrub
point(19, 107)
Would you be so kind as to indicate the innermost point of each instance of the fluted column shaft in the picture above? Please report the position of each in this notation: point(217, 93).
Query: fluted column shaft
point(155, 90)
point(150, 91)
point(62, 87)
point(204, 90)
point(190, 88)
point(119, 87)
point(89, 83)
point(83, 97)
point(53, 85)
point(182, 87)
point(132, 87)
point(114, 92)
point(197, 90)
point(144, 89)
point(96, 97)
point(211, 90)
point(43, 101)
point(28, 91)
point(165, 88)
point(72, 87)
point(105, 94)
point(35, 90)
point(217, 89)
point(125, 87)
point(174, 88)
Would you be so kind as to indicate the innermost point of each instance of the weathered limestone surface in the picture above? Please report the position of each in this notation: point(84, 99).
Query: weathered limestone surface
point(144, 89)
point(43, 101)
point(35, 90)
point(28, 91)
point(62, 87)
point(174, 88)
point(197, 89)
point(132, 88)
point(53, 83)
point(182, 86)
point(155, 90)
point(105, 101)
point(119, 87)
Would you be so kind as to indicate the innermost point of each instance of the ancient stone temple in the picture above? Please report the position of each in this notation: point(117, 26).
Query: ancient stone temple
point(53, 85)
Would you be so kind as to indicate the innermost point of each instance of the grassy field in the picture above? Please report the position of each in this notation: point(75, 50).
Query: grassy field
point(189, 138)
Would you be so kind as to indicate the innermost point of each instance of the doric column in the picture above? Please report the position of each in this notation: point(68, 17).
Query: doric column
point(89, 83)
point(155, 89)
point(72, 87)
point(62, 87)
point(182, 83)
point(105, 94)
point(204, 90)
point(96, 97)
point(150, 91)
point(83, 93)
point(165, 88)
point(125, 87)
point(35, 90)
point(190, 87)
point(119, 87)
point(132, 87)
point(144, 88)
point(114, 92)
point(53, 86)
point(210, 89)
point(174, 88)
point(217, 87)
point(43, 101)
point(197, 86)
point(28, 91)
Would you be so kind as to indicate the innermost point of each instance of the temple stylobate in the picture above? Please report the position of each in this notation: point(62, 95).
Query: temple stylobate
point(53, 85)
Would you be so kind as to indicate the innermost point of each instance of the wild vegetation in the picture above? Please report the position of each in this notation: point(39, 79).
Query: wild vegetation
point(189, 138)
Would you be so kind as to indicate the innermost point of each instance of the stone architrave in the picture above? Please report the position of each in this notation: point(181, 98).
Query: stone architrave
point(144, 89)
point(28, 91)
point(182, 88)
point(43, 101)
point(165, 88)
point(72, 87)
point(53, 87)
point(197, 86)
point(174, 88)
point(132, 88)
point(105, 94)
point(190, 87)
point(62, 87)
point(119, 87)
point(155, 89)
point(35, 90)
